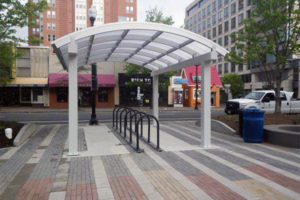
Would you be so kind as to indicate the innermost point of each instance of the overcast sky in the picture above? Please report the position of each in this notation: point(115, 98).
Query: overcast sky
point(174, 8)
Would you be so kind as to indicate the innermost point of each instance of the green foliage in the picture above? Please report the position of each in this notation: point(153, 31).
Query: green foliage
point(270, 37)
point(15, 14)
point(33, 40)
point(7, 58)
point(157, 16)
point(132, 69)
point(236, 82)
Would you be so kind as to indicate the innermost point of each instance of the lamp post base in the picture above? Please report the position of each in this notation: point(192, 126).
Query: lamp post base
point(93, 120)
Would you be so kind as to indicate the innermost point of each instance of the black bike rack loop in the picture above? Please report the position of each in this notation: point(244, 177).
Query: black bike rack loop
point(121, 113)
point(157, 129)
point(114, 112)
point(134, 115)
point(130, 112)
point(117, 115)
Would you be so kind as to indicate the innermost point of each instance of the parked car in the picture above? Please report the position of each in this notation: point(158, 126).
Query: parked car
point(265, 100)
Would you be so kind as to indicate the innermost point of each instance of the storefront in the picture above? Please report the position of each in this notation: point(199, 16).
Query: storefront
point(175, 91)
point(58, 86)
point(189, 73)
point(135, 90)
point(25, 92)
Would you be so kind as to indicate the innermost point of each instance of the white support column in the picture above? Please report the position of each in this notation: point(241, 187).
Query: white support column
point(73, 99)
point(155, 96)
point(205, 107)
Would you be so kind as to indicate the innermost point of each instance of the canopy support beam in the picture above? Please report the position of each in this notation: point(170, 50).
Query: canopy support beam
point(205, 107)
point(73, 99)
point(155, 95)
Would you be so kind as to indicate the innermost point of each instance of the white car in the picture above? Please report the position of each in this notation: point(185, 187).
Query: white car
point(265, 100)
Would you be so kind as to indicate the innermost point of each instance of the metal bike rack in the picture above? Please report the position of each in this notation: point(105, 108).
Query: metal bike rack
point(149, 135)
point(121, 114)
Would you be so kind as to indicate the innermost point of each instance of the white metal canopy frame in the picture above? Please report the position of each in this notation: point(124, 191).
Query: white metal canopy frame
point(157, 47)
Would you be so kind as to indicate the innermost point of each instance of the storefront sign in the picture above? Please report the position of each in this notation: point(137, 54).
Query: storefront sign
point(136, 79)
point(195, 77)
point(180, 81)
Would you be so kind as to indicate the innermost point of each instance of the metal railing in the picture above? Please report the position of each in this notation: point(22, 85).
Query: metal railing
point(127, 115)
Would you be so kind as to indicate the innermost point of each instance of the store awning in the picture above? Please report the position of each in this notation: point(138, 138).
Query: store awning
point(84, 80)
point(29, 82)
point(190, 75)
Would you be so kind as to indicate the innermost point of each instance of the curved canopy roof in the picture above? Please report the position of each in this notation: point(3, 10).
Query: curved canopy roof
point(157, 47)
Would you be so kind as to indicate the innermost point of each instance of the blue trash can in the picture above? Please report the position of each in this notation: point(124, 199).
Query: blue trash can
point(253, 125)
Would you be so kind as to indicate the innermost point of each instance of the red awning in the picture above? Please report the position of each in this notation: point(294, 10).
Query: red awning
point(84, 80)
point(190, 72)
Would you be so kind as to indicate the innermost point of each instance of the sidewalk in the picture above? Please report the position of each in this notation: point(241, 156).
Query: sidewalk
point(23, 109)
point(108, 169)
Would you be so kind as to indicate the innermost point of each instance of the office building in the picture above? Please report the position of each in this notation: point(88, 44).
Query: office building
point(217, 20)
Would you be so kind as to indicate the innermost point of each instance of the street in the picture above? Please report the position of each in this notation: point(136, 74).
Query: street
point(51, 117)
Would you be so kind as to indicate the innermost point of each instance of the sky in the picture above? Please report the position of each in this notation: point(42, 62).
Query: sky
point(174, 8)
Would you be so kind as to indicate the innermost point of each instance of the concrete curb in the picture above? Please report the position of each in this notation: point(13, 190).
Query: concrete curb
point(219, 127)
point(25, 132)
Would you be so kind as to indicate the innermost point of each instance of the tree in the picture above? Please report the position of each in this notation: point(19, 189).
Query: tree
point(157, 16)
point(132, 69)
point(236, 82)
point(270, 37)
point(14, 14)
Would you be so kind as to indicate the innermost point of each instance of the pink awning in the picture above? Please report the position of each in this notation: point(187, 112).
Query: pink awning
point(84, 80)
point(190, 72)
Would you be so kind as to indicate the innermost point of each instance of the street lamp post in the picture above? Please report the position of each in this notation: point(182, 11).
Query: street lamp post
point(196, 103)
point(92, 12)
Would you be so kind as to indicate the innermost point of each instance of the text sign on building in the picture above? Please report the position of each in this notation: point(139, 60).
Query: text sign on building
point(180, 81)
point(196, 77)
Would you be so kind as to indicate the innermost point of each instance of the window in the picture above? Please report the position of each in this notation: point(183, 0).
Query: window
point(233, 67)
point(127, 9)
point(203, 13)
point(226, 68)
point(214, 6)
point(131, 9)
point(226, 12)
point(249, 2)
point(209, 34)
point(220, 4)
point(208, 9)
point(37, 95)
point(226, 26)
point(25, 94)
point(53, 37)
point(53, 15)
point(269, 96)
point(233, 8)
point(49, 38)
point(241, 5)
point(248, 14)
point(233, 23)
point(214, 32)
point(220, 68)
point(208, 22)
point(220, 41)
point(220, 15)
point(214, 19)
point(220, 29)
point(241, 67)
point(226, 40)
point(203, 25)
point(103, 95)
point(240, 19)
point(62, 95)
point(48, 14)
point(226, 2)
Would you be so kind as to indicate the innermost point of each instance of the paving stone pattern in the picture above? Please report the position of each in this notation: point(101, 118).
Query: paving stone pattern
point(232, 171)
point(82, 146)
point(12, 167)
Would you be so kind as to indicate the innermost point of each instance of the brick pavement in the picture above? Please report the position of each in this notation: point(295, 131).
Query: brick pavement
point(234, 170)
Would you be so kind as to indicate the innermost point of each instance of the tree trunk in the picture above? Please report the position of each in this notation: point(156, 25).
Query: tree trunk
point(277, 95)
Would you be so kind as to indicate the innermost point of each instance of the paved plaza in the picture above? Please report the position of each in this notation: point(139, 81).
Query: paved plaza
point(108, 168)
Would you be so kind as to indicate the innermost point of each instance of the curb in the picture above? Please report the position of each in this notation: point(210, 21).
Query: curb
point(25, 132)
point(219, 127)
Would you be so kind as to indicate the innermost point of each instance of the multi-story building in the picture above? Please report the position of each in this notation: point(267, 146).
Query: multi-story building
point(217, 20)
point(66, 16)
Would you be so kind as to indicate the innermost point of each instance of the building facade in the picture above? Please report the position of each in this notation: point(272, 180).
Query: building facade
point(66, 16)
point(30, 83)
point(217, 20)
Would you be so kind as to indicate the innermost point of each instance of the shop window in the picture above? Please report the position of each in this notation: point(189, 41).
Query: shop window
point(103, 95)
point(37, 94)
point(198, 92)
point(62, 95)
point(25, 94)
